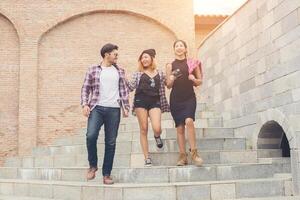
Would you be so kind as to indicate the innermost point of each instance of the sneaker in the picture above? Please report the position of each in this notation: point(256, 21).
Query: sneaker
point(148, 162)
point(159, 142)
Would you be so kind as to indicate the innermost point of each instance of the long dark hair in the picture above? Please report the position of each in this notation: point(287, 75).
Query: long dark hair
point(183, 42)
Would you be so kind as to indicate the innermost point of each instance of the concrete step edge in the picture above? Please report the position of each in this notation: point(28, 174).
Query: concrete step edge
point(125, 185)
point(166, 167)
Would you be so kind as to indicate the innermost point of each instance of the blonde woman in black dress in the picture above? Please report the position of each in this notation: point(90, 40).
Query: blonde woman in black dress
point(183, 101)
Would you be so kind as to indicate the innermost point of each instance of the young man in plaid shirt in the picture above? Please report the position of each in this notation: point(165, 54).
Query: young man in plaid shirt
point(104, 95)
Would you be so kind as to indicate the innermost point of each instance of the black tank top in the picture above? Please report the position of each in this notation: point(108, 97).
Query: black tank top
point(148, 87)
point(182, 89)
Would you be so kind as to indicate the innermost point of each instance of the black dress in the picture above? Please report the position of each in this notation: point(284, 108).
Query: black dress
point(182, 98)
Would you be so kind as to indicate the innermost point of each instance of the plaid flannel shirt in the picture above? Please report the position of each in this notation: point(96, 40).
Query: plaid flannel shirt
point(90, 91)
point(135, 80)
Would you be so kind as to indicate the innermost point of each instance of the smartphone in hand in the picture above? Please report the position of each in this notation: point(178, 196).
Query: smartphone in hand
point(177, 73)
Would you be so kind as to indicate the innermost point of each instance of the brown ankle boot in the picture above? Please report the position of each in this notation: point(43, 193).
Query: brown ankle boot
point(182, 160)
point(196, 159)
point(91, 174)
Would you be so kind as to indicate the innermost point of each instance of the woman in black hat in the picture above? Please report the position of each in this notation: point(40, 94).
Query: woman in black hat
point(149, 100)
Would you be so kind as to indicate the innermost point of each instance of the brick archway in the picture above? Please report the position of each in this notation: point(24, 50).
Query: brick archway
point(67, 49)
point(9, 87)
point(68, 18)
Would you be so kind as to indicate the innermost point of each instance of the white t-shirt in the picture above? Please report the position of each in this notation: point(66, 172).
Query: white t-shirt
point(109, 87)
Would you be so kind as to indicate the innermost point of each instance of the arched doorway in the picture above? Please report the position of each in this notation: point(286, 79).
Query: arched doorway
point(272, 136)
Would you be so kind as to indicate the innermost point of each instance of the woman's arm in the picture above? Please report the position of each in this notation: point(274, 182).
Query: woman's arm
point(196, 77)
point(132, 84)
point(170, 78)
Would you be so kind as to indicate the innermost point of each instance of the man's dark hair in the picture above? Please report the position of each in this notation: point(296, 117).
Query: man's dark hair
point(108, 48)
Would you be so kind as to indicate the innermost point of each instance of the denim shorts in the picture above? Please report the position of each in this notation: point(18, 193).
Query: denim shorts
point(147, 102)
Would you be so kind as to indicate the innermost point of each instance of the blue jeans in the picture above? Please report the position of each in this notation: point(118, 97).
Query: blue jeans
point(110, 117)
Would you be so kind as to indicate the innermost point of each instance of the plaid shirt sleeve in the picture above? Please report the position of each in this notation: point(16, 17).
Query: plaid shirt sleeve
point(162, 92)
point(86, 88)
point(124, 91)
point(132, 84)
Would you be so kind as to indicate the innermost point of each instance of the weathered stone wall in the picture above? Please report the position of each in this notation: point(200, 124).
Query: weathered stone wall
point(252, 71)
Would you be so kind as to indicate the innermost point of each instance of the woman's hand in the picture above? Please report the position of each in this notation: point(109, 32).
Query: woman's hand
point(170, 78)
point(192, 77)
point(196, 81)
point(196, 77)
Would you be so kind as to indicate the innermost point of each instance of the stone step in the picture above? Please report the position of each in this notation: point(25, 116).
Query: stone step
point(155, 174)
point(274, 160)
point(271, 198)
point(137, 159)
point(199, 123)
point(269, 153)
point(209, 157)
point(168, 116)
point(205, 132)
point(8, 197)
point(198, 115)
point(169, 133)
point(211, 190)
point(170, 145)
point(283, 175)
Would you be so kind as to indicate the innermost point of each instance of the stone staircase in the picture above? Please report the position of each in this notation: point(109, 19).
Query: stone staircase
point(231, 171)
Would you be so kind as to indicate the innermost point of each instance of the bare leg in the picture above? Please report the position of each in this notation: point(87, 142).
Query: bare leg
point(155, 117)
point(191, 133)
point(181, 138)
point(142, 115)
point(196, 159)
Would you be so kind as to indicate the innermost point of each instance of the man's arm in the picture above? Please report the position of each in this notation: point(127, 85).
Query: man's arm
point(124, 93)
point(85, 92)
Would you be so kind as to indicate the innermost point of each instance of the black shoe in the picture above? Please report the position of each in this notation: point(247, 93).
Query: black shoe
point(148, 162)
point(159, 142)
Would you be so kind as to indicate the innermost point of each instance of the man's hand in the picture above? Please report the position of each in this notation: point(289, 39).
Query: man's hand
point(86, 111)
point(125, 113)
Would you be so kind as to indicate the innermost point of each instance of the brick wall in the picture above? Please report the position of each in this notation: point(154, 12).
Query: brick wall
point(47, 46)
point(9, 73)
point(67, 51)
